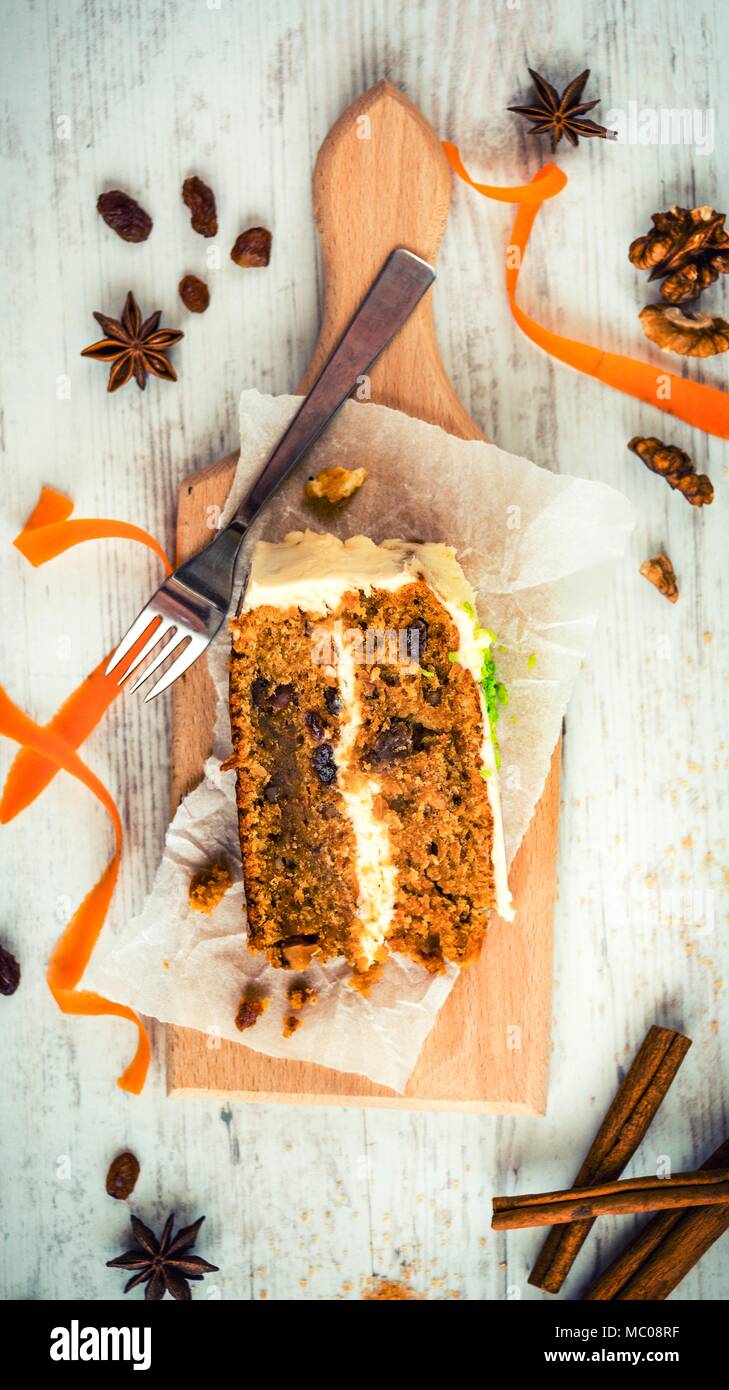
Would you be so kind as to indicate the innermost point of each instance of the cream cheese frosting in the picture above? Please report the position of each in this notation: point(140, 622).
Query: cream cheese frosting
point(312, 571)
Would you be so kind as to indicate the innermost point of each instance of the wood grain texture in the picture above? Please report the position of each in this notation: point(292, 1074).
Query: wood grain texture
point(310, 1203)
point(379, 185)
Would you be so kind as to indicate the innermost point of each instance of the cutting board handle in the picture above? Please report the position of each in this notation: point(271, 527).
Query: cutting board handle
point(382, 180)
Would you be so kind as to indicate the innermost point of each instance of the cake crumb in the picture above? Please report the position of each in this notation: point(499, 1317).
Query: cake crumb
point(209, 887)
point(363, 980)
point(388, 1291)
point(249, 1011)
point(300, 995)
point(291, 1023)
point(335, 484)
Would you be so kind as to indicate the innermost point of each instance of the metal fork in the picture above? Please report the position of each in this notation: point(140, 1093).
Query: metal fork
point(192, 602)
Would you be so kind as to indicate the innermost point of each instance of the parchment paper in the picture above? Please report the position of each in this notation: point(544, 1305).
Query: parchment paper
point(539, 548)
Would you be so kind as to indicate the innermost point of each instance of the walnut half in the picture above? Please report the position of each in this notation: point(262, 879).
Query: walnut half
point(690, 335)
point(675, 466)
point(660, 572)
point(335, 484)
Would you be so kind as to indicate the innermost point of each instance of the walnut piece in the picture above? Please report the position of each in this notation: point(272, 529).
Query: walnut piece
point(249, 1012)
point(209, 887)
point(300, 955)
point(675, 466)
point(687, 248)
point(660, 571)
point(690, 335)
point(335, 484)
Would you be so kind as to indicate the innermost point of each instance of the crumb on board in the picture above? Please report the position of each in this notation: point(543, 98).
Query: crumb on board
point(249, 1011)
point(291, 1023)
point(209, 887)
point(388, 1291)
point(300, 995)
point(335, 484)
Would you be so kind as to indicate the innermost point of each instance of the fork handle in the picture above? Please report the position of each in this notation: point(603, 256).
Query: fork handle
point(401, 283)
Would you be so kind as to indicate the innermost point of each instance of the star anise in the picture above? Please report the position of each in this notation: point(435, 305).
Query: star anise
point(134, 348)
point(562, 115)
point(164, 1265)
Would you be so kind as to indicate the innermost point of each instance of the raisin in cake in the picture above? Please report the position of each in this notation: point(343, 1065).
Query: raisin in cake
point(362, 699)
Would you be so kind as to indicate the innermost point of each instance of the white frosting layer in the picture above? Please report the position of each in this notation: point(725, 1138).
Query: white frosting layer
point(313, 571)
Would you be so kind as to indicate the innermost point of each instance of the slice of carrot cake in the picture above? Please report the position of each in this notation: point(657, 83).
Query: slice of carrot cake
point(363, 701)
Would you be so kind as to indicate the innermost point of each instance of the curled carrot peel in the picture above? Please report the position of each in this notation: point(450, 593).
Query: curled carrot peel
point(706, 407)
point(44, 751)
point(78, 716)
point(49, 531)
point(73, 950)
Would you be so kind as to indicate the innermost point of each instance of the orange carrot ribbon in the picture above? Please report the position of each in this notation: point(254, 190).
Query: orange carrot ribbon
point(48, 530)
point(44, 751)
point(73, 950)
point(706, 407)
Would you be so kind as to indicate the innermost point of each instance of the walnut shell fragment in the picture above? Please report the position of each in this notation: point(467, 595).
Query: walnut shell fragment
point(252, 249)
point(688, 248)
point(194, 294)
point(335, 484)
point(690, 335)
point(124, 215)
point(201, 201)
point(675, 466)
point(660, 572)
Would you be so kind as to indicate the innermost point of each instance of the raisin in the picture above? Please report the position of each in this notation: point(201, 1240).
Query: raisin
point(282, 697)
point(9, 972)
point(121, 1178)
point(272, 791)
point(416, 639)
point(314, 725)
point(201, 201)
point(395, 741)
point(433, 695)
point(332, 699)
point(259, 693)
point(322, 761)
point(194, 294)
point(252, 248)
point(389, 676)
point(398, 740)
point(124, 215)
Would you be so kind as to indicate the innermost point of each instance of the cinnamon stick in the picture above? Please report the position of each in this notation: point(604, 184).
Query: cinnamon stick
point(623, 1198)
point(636, 1102)
point(662, 1254)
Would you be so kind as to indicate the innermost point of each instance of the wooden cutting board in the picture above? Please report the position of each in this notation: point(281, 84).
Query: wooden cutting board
point(381, 180)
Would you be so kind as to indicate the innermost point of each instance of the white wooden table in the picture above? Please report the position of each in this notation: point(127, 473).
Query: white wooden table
point(311, 1204)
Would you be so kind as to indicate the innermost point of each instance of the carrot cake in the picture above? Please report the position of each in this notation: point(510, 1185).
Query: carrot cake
point(363, 704)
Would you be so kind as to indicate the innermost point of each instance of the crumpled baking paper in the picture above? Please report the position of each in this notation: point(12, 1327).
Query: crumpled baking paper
point(539, 549)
